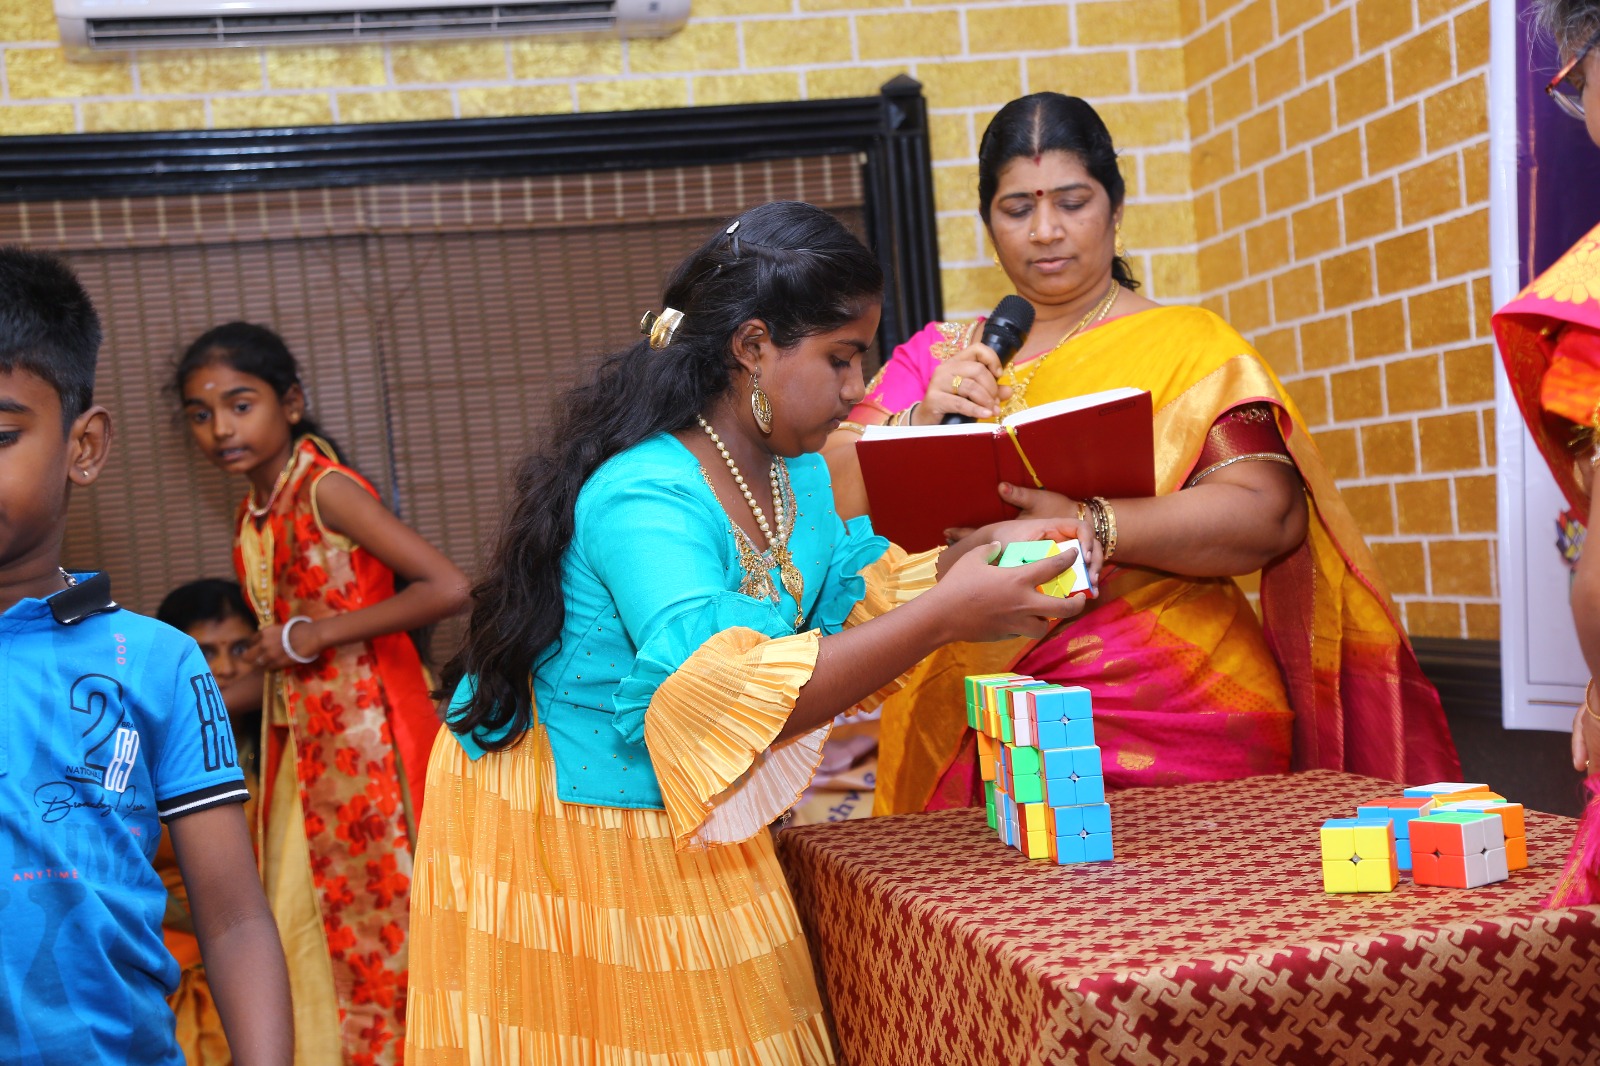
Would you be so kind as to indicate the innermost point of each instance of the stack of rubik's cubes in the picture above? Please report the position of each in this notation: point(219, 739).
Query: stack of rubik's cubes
point(1043, 785)
point(1454, 834)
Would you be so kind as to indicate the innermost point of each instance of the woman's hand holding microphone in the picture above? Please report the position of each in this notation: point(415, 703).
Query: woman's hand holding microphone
point(968, 383)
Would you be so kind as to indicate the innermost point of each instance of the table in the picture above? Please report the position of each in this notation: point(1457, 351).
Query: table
point(1208, 940)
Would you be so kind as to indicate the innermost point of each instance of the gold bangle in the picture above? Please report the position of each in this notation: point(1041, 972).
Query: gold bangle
point(1588, 709)
point(853, 427)
point(1110, 542)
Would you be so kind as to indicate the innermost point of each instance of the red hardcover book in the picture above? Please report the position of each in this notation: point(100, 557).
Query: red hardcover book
point(922, 480)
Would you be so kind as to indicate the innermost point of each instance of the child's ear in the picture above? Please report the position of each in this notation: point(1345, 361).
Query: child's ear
point(750, 342)
point(88, 445)
point(293, 402)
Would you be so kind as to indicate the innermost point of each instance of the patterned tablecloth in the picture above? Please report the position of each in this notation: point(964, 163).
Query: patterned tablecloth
point(1208, 940)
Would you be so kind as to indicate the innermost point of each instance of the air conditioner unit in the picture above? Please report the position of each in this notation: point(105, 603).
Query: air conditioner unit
point(119, 25)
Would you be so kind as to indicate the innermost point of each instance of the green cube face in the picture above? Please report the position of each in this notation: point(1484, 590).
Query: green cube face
point(1022, 552)
point(1024, 760)
point(1027, 788)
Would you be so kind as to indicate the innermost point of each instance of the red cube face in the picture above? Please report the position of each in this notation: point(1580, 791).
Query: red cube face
point(1443, 837)
point(1442, 871)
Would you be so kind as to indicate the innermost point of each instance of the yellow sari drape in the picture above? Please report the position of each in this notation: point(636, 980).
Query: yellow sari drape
point(1207, 692)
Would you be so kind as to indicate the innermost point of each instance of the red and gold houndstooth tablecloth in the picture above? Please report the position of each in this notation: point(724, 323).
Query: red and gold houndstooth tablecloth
point(1208, 940)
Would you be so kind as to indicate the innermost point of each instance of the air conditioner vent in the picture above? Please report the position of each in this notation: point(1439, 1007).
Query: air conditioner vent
point(106, 25)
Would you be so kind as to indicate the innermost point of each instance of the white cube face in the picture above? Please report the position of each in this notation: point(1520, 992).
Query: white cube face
point(1496, 861)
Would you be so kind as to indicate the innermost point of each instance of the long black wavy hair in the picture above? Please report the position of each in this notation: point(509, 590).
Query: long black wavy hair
point(254, 350)
point(792, 266)
point(1052, 122)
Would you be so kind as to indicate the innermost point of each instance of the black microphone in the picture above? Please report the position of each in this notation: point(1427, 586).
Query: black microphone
point(1003, 331)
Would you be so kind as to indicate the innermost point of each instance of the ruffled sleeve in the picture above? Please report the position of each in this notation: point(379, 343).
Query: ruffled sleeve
point(710, 732)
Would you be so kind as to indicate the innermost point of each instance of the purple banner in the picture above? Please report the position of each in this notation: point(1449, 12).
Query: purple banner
point(1558, 166)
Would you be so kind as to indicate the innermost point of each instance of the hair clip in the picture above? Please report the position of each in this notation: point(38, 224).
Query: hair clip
point(661, 328)
point(733, 238)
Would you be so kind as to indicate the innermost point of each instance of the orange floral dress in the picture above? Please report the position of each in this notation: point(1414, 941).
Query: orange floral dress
point(336, 814)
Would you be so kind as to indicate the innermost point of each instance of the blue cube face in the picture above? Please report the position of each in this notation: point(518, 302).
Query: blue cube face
point(1402, 852)
point(1063, 703)
point(1069, 849)
point(1097, 817)
point(1087, 762)
point(1068, 819)
point(1097, 847)
point(1072, 733)
point(1074, 792)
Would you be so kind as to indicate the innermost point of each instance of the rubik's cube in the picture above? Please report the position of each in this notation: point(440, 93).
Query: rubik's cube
point(1458, 849)
point(1451, 791)
point(1073, 581)
point(1401, 810)
point(1044, 785)
point(1358, 855)
point(1512, 824)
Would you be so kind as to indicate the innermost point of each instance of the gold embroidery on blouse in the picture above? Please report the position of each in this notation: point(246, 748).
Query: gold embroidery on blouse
point(954, 334)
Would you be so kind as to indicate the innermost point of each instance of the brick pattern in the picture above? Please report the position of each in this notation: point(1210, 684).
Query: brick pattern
point(971, 55)
point(1340, 167)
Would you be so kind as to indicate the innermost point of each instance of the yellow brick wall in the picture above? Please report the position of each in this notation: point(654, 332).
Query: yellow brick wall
point(1314, 170)
point(1340, 178)
point(971, 56)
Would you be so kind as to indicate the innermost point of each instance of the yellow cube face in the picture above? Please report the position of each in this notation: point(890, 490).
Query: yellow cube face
point(1373, 841)
point(1036, 845)
point(1375, 875)
point(1339, 875)
point(1338, 844)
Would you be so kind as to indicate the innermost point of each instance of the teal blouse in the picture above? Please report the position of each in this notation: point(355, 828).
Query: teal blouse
point(652, 573)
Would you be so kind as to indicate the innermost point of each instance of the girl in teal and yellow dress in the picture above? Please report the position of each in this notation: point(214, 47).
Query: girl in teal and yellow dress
point(671, 620)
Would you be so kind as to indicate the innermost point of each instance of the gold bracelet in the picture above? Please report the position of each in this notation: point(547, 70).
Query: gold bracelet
point(1111, 526)
point(1588, 709)
point(853, 427)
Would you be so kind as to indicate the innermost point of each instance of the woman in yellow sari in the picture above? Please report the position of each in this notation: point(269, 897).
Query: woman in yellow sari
point(1188, 683)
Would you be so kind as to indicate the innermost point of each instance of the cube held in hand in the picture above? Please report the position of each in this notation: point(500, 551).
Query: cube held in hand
point(1073, 581)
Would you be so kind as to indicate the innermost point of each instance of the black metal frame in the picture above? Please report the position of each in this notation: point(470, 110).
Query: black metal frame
point(889, 130)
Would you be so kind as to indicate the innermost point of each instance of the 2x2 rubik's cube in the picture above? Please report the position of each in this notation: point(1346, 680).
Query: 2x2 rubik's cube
point(1043, 782)
point(1451, 833)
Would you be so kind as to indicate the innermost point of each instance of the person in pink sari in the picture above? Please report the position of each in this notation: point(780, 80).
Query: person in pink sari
point(1189, 683)
point(1549, 338)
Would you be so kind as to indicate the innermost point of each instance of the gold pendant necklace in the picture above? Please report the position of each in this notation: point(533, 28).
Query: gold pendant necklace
point(1019, 387)
point(759, 564)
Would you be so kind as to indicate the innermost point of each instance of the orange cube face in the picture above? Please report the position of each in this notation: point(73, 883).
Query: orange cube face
point(1516, 853)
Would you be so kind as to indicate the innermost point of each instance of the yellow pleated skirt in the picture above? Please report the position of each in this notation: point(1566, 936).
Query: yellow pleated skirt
point(545, 932)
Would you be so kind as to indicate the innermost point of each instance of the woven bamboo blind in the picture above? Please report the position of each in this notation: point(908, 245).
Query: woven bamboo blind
point(435, 324)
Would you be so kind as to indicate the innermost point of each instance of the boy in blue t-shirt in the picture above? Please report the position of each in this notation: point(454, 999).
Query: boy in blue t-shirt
point(110, 724)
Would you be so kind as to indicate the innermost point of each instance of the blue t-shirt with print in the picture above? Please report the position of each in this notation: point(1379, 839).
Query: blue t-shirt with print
point(109, 723)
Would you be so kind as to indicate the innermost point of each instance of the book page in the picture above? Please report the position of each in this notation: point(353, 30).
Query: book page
point(904, 432)
point(1071, 403)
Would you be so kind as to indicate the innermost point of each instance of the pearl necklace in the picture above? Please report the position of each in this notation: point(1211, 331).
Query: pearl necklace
point(749, 498)
point(758, 565)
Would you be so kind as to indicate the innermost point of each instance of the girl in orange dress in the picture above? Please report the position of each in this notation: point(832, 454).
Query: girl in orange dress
point(347, 716)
